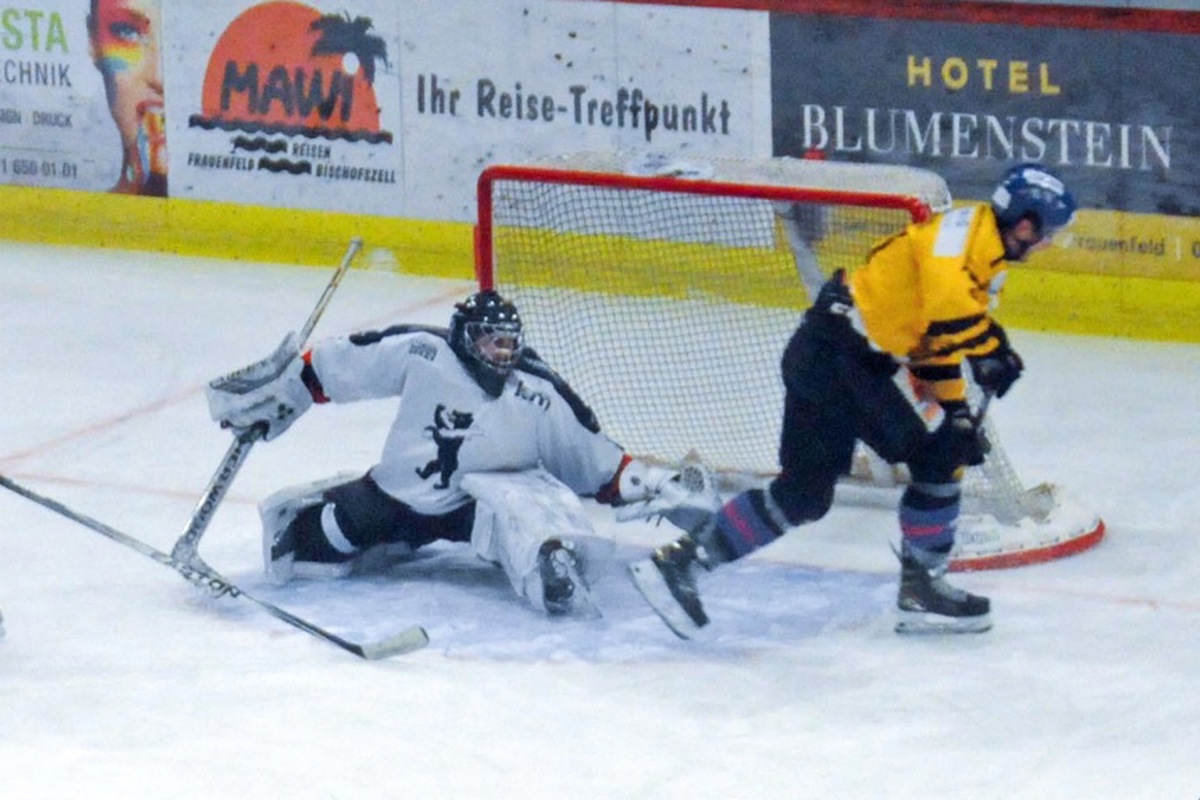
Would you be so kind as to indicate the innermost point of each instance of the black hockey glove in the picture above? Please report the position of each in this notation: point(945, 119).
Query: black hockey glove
point(998, 370)
point(961, 441)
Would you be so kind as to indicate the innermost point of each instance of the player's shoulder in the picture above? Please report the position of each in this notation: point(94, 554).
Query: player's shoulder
point(402, 332)
point(954, 232)
point(536, 372)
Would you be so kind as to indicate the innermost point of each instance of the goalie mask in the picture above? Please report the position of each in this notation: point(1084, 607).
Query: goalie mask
point(485, 333)
point(1033, 192)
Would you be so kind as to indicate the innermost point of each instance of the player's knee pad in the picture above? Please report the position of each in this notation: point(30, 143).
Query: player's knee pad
point(801, 499)
point(929, 515)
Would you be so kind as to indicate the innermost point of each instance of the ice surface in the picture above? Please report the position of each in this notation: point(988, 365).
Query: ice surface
point(119, 680)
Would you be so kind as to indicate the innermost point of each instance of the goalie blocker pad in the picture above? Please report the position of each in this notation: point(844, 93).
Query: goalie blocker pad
point(516, 512)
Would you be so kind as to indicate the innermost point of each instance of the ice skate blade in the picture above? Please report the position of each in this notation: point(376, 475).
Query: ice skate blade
point(922, 622)
point(649, 582)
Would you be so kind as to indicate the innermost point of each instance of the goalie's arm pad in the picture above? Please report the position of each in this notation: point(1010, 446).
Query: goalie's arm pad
point(635, 481)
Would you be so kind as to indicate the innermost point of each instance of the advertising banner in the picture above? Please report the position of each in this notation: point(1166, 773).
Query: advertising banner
point(285, 104)
point(392, 109)
point(1111, 110)
point(81, 103)
point(504, 81)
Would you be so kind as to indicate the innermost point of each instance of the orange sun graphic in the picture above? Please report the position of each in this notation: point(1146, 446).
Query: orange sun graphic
point(282, 66)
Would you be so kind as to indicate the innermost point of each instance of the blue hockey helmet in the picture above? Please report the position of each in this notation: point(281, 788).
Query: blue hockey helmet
point(1031, 191)
point(486, 335)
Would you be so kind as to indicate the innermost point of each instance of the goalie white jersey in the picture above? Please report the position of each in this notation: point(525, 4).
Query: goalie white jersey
point(447, 426)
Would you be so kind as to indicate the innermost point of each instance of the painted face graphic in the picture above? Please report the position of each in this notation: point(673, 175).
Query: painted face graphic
point(124, 42)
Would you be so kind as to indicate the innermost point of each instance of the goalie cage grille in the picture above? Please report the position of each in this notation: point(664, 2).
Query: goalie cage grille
point(665, 289)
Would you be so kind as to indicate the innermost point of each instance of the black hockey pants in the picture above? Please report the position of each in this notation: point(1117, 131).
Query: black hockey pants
point(838, 390)
point(368, 516)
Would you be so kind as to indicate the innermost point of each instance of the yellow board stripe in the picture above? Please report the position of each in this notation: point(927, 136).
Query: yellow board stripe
point(231, 231)
point(1160, 302)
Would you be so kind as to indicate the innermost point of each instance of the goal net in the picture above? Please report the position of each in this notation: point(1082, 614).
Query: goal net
point(664, 291)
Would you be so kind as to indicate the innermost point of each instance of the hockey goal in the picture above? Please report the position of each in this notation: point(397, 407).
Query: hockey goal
point(664, 290)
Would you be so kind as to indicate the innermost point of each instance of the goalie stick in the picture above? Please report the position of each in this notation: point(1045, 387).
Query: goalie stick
point(202, 575)
point(186, 546)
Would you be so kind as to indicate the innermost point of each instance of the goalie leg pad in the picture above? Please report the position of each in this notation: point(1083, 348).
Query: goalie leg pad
point(282, 529)
point(346, 524)
point(516, 514)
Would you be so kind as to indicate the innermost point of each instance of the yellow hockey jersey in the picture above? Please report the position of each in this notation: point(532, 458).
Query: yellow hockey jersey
point(924, 295)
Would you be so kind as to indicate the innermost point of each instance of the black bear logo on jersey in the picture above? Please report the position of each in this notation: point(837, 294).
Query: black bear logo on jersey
point(449, 429)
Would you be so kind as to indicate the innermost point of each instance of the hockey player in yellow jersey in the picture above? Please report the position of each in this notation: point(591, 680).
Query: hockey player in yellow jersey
point(879, 358)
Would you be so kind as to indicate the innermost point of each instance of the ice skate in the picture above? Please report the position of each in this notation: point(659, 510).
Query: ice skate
point(667, 580)
point(564, 591)
point(926, 603)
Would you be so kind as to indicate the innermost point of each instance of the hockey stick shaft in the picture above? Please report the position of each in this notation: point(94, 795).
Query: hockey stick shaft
point(189, 541)
point(981, 413)
point(406, 641)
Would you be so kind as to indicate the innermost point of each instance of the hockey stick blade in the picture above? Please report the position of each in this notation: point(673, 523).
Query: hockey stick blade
point(200, 574)
point(406, 641)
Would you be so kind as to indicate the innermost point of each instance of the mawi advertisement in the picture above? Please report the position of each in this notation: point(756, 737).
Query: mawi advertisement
point(393, 108)
point(285, 104)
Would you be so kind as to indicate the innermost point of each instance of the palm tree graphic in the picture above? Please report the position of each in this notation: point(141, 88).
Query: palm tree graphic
point(341, 35)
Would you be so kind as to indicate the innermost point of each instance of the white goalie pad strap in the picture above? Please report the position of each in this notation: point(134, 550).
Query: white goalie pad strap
point(333, 531)
point(517, 511)
point(286, 503)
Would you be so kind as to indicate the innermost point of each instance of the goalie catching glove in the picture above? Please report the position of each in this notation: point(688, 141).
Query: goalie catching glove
point(687, 497)
point(268, 395)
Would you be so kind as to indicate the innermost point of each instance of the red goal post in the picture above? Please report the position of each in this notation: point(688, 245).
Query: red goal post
point(664, 290)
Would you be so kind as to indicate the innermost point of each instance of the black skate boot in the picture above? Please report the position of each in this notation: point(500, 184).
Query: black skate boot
point(927, 604)
point(667, 580)
point(564, 590)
